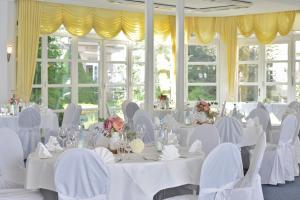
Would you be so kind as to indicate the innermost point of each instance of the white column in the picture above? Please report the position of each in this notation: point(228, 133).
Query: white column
point(149, 61)
point(4, 72)
point(180, 59)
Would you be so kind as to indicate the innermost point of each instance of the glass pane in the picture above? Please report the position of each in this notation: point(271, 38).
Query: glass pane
point(88, 72)
point(201, 53)
point(115, 98)
point(138, 94)
point(277, 52)
point(38, 73)
point(59, 73)
point(297, 67)
point(60, 118)
point(36, 95)
point(297, 50)
point(202, 73)
point(277, 93)
point(59, 98)
point(115, 52)
point(248, 93)
point(88, 97)
point(39, 54)
point(138, 55)
point(89, 117)
point(138, 73)
point(116, 73)
point(59, 47)
point(249, 53)
point(88, 50)
point(248, 73)
point(277, 72)
point(208, 93)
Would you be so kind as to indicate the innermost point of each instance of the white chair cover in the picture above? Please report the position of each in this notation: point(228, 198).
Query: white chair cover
point(131, 108)
point(230, 130)
point(29, 129)
point(262, 106)
point(264, 119)
point(49, 122)
point(20, 194)
point(221, 170)
point(81, 174)
point(295, 105)
point(124, 105)
point(142, 119)
point(76, 117)
point(208, 135)
point(279, 162)
point(249, 188)
point(68, 115)
point(12, 169)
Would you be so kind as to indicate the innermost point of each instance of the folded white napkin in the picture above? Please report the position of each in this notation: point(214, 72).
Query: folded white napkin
point(53, 145)
point(42, 152)
point(106, 155)
point(196, 147)
point(172, 138)
point(169, 152)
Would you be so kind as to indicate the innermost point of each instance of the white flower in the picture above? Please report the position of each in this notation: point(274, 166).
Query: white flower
point(137, 146)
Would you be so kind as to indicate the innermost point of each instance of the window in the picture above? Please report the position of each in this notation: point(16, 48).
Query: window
point(138, 73)
point(297, 69)
point(201, 73)
point(248, 73)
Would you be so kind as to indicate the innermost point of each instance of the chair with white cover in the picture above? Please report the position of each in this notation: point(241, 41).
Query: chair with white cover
point(262, 106)
point(279, 160)
point(81, 174)
point(49, 122)
point(220, 172)
point(29, 129)
point(264, 119)
point(12, 168)
point(295, 105)
point(76, 118)
point(208, 135)
point(130, 110)
point(230, 130)
point(249, 188)
point(143, 123)
point(124, 105)
point(68, 115)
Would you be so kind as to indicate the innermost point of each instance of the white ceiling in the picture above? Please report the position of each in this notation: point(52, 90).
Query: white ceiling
point(254, 6)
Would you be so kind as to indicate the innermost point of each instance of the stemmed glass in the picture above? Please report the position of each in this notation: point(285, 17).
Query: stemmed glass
point(62, 136)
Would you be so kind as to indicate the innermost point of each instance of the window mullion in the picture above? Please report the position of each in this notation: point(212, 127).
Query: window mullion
point(44, 70)
point(74, 70)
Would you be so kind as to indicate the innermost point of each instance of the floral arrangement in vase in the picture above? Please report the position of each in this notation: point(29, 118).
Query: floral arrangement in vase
point(164, 101)
point(113, 124)
point(14, 100)
point(204, 113)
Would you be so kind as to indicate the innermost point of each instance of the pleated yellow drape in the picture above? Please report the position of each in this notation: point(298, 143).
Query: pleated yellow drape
point(28, 38)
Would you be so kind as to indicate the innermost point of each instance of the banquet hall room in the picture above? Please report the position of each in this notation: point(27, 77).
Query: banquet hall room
point(150, 100)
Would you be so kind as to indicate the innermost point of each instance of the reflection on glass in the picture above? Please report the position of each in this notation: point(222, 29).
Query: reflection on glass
point(138, 55)
point(115, 52)
point(115, 98)
point(202, 53)
point(202, 73)
point(277, 72)
point(89, 117)
point(59, 73)
point(208, 93)
point(36, 95)
point(88, 97)
point(138, 73)
point(277, 93)
point(59, 47)
point(88, 72)
point(248, 93)
point(138, 94)
point(59, 98)
point(248, 73)
point(277, 52)
point(88, 50)
point(248, 53)
point(116, 73)
point(38, 73)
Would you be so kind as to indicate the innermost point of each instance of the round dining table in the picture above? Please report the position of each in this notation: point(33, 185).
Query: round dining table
point(136, 177)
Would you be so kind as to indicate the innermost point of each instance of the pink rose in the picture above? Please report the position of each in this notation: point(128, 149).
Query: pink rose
point(108, 124)
point(206, 108)
point(118, 124)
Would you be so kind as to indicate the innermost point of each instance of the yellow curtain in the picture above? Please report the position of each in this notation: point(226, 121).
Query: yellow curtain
point(266, 26)
point(204, 29)
point(28, 38)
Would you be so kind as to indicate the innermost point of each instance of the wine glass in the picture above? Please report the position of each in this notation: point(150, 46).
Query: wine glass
point(62, 136)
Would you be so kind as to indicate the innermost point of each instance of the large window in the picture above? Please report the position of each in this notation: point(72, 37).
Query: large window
point(201, 73)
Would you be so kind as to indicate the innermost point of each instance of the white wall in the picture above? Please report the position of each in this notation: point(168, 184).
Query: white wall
point(7, 37)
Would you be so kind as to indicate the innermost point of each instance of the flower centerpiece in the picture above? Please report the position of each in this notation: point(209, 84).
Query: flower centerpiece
point(113, 127)
point(13, 101)
point(204, 113)
point(164, 101)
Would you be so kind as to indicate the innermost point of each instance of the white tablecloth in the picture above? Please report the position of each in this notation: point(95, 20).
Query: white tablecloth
point(134, 178)
point(9, 121)
point(250, 135)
